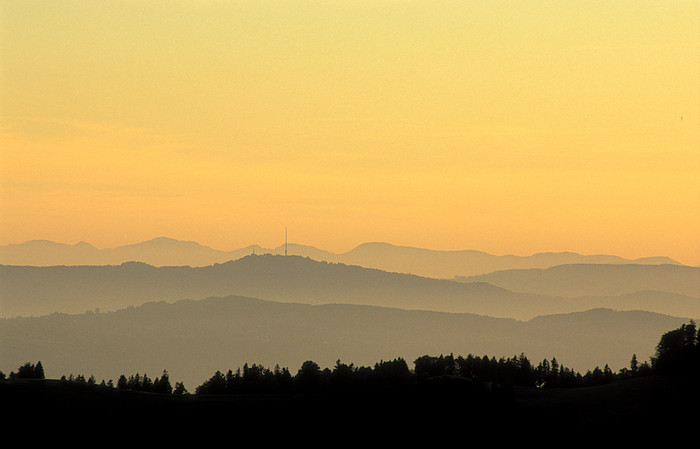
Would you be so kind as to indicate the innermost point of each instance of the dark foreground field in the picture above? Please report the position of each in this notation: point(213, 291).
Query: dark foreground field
point(630, 410)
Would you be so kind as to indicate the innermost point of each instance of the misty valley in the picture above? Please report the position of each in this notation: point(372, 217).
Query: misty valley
point(614, 343)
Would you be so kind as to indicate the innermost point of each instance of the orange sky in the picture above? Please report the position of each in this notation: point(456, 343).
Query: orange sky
point(506, 127)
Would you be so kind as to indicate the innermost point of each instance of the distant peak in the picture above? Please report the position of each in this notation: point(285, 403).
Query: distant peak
point(135, 264)
point(162, 241)
point(41, 242)
point(377, 245)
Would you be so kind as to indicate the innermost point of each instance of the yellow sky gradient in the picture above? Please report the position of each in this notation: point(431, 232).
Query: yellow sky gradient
point(507, 127)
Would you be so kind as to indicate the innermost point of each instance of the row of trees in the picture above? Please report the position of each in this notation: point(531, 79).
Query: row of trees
point(678, 351)
point(27, 371)
point(501, 374)
point(136, 382)
point(144, 383)
point(257, 379)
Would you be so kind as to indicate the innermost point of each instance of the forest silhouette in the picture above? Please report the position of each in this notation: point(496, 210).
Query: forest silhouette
point(438, 390)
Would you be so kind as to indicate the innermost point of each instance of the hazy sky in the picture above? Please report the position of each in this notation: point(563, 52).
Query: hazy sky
point(503, 126)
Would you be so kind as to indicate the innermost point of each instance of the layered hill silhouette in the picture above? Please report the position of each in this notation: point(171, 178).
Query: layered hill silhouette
point(596, 279)
point(194, 338)
point(193, 310)
point(402, 259)
point(447, 264)
point(26, 291)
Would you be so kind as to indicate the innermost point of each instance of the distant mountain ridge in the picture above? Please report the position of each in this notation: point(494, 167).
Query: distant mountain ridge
point(573, 280)
point(165, 251)
point(26, 291)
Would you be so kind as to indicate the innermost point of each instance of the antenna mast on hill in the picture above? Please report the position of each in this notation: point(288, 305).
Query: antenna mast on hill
point(285, 241)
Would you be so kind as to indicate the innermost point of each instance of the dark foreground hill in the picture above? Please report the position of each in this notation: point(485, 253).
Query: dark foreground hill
point(194, 338)
point(26, 291)
point(629, 411)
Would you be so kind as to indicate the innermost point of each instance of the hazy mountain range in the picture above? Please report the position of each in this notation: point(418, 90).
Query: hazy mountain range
point(74, 289)
point(180, 306)
point(383, 256)
point(596, 279)
point(193, 339)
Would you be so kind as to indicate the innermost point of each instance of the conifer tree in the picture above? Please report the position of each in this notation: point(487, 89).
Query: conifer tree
point(179, 389)
point(634, 365)
point(39, 370)
point(122, 383)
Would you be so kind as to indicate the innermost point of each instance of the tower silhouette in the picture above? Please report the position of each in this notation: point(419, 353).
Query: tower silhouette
point(285, 241)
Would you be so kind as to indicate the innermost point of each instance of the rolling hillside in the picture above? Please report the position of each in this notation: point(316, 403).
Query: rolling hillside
point(194, 338)
point(26, 291)
point(596, 279)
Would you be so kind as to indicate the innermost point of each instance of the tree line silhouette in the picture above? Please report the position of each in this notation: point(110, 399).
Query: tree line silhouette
point(677, 352)
point(429, 372)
